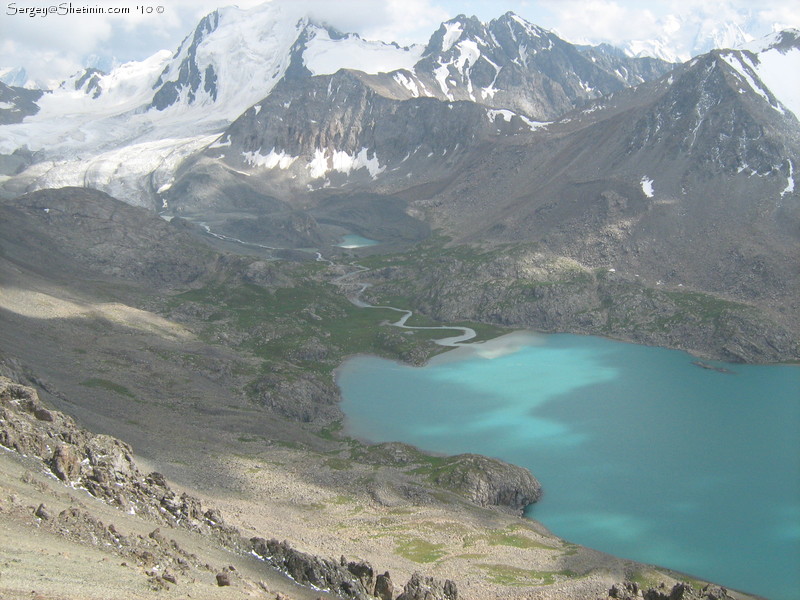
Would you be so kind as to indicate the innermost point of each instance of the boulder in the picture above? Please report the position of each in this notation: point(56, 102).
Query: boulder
point(428, 588)
point(65, 463)
point(384, 588)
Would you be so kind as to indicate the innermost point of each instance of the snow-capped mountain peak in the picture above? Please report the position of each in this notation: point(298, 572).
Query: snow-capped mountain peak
point(680, 41)
point(719, 36)
point(233, 58)
point(771, 67)
point(16, 76)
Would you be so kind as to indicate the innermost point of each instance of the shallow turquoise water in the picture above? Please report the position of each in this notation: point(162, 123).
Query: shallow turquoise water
point(356, 241)
point(641, 454)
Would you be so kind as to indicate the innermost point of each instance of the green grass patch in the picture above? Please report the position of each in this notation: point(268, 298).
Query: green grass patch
point(419, 550)
point(339, 464)
point(506, 537)
point(514, 576)
point(286, 444)
point(105, 384)
point(332, 432)
point(340, 500)
point(644, 579)
point(570, 549)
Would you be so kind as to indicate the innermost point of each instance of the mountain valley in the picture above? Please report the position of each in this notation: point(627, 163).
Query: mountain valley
point(172, 277)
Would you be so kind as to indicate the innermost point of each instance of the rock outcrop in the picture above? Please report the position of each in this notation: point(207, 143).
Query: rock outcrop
point(488, 481)
point(100, 463)
point(630, 590)
point(429, 588)
point(321, 573)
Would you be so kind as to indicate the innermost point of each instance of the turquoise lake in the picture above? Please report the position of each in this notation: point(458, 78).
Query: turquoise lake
point(352, 240)
point(640, 453)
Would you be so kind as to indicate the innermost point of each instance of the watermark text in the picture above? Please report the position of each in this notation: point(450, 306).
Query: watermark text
point(68, 8)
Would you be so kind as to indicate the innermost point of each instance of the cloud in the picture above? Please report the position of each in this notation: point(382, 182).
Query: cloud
point(685, 26)
point(402, 21)
point(600, 20)
point(781, 16)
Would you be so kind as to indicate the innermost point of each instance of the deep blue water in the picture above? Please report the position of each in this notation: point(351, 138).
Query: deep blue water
point(640, 453)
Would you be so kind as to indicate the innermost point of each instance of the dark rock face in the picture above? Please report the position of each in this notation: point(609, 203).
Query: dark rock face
point(429, 588)
point(189, 77)
point(89, 82)
point(22, 101)
point(42, 513)
point(321, 573)
point(384, 588)
point(304, 398)
point(344, 113)
point(363, 571)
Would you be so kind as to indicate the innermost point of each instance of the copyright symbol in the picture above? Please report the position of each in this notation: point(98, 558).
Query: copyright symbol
point(159, 9)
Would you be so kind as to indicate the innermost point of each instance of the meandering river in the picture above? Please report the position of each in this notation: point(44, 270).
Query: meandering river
point(641, 453)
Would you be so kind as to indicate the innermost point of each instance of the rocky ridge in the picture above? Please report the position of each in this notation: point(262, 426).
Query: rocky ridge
point(104, 466)
point(630, 590)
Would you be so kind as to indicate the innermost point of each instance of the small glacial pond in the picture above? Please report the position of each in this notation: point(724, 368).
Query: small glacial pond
point(352, 240)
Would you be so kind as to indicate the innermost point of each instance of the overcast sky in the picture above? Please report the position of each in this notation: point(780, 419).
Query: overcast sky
point(54, 46)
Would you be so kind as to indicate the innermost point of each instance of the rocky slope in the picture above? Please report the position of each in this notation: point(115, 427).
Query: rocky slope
point(104, 467)
point(524, 287)
point(79, 229)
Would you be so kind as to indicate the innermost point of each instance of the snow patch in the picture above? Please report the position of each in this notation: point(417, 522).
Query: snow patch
point(6, 105)
point(533, 125)
point(442, 72)
point(745, 68)
point(469, 53)
point(647, 187)
point(407, 83)
point(324, 56)
point(790, 183)
point(506, 114)
point(269, 161)
point(452, 32)
point(343, 162)
point(781, 74)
